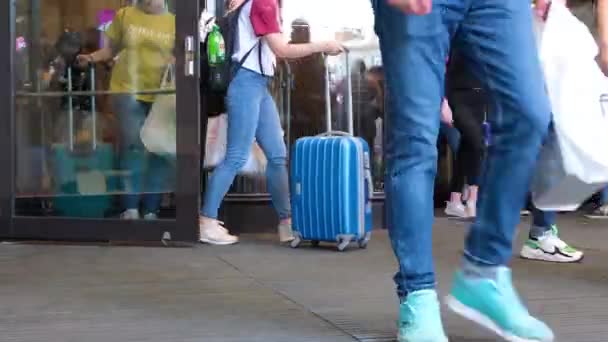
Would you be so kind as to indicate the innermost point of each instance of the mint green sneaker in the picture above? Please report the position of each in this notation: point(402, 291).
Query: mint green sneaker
point(495, 305)
point(420, 318)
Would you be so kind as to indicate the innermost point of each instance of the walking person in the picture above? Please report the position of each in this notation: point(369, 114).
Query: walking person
point(495, 36)
point(252, 114)
point(141, 39)
point(468, 103)
point(602, 22)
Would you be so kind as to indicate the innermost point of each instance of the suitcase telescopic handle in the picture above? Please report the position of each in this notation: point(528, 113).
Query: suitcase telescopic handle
point(334, 134)
point(348, 97)
point(71, 109)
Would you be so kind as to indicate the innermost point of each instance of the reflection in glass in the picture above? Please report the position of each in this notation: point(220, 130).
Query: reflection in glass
point(367, 81)
point(88, 75)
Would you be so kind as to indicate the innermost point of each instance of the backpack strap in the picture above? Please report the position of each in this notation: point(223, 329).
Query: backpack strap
point(260, 57)
point(244, 58)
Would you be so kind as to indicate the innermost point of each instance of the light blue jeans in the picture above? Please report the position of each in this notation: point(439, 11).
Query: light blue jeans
point(150, 173)
point(498, 40)
point(252, 114)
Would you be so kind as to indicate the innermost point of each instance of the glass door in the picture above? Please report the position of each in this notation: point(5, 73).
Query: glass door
point(105, 116)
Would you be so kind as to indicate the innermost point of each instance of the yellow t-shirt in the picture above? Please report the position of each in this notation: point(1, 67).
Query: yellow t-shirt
point(146, 44)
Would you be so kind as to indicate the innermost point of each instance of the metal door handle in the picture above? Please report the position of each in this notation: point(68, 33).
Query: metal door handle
point(189, 56)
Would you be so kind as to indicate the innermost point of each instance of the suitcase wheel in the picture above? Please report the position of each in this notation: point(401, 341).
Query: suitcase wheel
point(365, 240)
point(343, 242)
point(297, 241)
point(315, 243)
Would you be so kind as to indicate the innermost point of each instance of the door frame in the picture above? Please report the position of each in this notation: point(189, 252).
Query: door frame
point(7, 15)
point(184, 227)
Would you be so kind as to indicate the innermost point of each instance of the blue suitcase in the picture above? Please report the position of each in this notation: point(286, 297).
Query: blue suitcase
point(331, 185)
point(72, 162)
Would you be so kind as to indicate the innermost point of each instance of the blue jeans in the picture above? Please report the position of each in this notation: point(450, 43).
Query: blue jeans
point(542, 221)
point(604, 196)
point(252, 114)
point(497, 38)
point(149, 173)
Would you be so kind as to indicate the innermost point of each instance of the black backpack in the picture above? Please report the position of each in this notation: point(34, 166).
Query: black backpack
point(69, 45)
point(215, 80)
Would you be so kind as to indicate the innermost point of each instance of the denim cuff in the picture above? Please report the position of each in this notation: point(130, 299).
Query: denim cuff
point(479, 262)
point(474, 269)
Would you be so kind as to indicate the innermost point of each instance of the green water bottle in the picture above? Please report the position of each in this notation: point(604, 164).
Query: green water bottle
point(216, 50)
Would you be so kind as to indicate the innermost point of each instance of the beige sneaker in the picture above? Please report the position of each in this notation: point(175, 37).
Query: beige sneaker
point(285, 232)
point(213, 233)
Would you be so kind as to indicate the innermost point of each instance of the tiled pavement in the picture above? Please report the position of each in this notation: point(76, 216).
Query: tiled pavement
point(259, 291)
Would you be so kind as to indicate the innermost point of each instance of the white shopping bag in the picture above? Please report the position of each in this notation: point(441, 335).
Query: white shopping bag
point(215, 148)
point(158, 132)
point(574, 160)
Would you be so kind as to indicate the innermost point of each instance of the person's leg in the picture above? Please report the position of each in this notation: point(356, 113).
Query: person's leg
point(470, 160)
point(269, 136)
point(542, 221)
point(601, 212)
point(604, 196)
point(414, 50)
point(544, 242)
point(131, 115)
point(455, 206)
point(159, 177)
point(468, 115)
point(500, 44)
point(155, 173)
point(244, 98)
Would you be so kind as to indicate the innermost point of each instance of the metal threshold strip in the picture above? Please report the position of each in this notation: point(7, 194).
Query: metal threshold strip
point(356, 329)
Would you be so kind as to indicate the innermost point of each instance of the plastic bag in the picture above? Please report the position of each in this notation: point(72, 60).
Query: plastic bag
point(215, 148)
point(158, 133)
point(573, 163)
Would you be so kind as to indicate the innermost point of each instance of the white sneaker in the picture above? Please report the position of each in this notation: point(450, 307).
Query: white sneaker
point(130, 214)
point(285, 232)
point(213, 233)
point(151, 216)
point(471, 210)
point(456, 210)
point(550, 247)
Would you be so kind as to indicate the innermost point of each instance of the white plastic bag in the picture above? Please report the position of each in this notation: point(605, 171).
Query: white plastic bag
point(158, 132)
point(574, 160)
point(215, 148)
